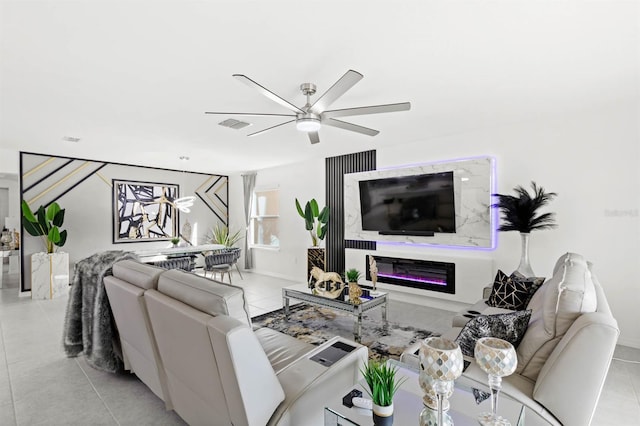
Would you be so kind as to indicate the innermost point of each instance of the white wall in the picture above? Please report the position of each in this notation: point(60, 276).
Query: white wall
point(304, 180)
point(9, 162)
point(13, 208)
point(590, 159)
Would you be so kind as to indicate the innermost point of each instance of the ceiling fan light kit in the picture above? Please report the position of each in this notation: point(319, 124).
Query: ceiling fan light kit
point(311, 117)
point(308, 124)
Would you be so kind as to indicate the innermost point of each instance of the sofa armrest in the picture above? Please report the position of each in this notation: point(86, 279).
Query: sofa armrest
point(307, 384)
point(562, 385)
point(251, 388)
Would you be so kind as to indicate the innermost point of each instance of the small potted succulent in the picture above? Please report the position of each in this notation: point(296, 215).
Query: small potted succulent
point(382, 384)
point(175, 241)
point(352, 275)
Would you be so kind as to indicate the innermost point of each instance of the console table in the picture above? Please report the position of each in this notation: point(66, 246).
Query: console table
point(153, 255)
point(303, 293)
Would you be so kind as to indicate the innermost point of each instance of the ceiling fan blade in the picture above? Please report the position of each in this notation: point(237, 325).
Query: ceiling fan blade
point(270, 128)
point(373, 109)
point(250, 114)
point(338, 89)
point(269, 94)
point(350, 126)
point(314, 137)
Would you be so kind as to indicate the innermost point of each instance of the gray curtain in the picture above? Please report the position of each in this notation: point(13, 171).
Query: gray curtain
point(248, 183)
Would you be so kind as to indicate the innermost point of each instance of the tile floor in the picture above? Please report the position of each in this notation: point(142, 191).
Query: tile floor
point(40, 386)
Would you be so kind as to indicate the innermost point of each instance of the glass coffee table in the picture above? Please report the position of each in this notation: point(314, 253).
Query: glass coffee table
point(368, 301)
point(408, 405)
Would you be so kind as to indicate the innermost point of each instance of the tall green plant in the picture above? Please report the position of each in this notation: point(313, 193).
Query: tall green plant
point(315, 220)
point(520, 212)
point(45, 224)
point(382, 382)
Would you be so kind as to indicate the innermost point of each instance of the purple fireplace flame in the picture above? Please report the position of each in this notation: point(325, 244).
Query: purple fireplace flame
point(415, 278)
point(422, 274)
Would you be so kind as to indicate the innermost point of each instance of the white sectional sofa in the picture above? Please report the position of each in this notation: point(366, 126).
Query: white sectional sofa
point(190, 340)
point(564, 356)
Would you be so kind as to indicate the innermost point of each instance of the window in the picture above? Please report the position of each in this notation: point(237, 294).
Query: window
point(264, 219)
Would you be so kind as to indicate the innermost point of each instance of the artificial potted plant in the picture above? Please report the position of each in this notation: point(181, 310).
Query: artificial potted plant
point(220, 234)
point(520, 213)
point(352, 276)
point(382, 384)
point(50, 269)
point(316, 222)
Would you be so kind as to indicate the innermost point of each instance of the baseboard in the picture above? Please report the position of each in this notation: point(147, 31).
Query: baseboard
point(632, 343)
point(271, 274)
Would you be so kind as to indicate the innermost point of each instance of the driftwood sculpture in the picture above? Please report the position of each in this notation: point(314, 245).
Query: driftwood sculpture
point(373, 271)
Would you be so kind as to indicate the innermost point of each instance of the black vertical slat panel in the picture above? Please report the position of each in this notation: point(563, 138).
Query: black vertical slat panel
point(335, 169)
point(360, 245)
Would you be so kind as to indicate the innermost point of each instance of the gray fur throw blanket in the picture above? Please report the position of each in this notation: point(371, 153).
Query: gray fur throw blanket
point(89, 327)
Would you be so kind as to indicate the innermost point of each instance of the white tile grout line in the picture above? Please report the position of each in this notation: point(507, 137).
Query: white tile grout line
point(636, 391)
point(4, 349)
point(97, 393)
point(50, 321)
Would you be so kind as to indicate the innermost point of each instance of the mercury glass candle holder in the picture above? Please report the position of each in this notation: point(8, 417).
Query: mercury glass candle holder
point(440, 364)
point(498, 359)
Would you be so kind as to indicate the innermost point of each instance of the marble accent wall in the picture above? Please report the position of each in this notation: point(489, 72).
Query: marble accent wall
point(473, 185)
point(49, 275)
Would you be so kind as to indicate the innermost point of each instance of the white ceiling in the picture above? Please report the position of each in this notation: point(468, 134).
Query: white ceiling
point(132, 79)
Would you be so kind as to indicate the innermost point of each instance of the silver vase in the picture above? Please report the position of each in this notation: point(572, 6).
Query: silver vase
point(525, 267)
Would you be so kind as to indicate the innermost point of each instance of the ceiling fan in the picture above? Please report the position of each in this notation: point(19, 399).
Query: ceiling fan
point(310, 117)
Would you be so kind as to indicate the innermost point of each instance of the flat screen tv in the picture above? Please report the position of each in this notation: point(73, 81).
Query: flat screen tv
point(411, 205)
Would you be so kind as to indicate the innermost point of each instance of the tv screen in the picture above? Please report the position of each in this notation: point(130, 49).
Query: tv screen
point(409, 204)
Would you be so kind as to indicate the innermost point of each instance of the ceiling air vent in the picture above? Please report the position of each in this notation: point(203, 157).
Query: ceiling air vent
point(234, 124)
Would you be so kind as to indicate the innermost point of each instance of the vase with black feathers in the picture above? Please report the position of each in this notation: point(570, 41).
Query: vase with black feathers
point(520, 213)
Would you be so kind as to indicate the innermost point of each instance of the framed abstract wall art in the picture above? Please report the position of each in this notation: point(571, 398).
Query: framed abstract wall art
point(144, 211)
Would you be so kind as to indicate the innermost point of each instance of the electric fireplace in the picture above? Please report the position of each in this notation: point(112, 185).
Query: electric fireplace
point(422, 274)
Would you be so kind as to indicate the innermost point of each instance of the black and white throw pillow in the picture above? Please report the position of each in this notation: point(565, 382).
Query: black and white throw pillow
point(510, 327)
point(534, 284)
point(513, 292)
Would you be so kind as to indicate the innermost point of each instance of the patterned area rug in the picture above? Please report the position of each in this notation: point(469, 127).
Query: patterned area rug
point(317, 325)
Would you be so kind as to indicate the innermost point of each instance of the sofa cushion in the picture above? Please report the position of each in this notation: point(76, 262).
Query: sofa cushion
point(510, 327)
point(209, 296)
point(479, 308)
point(281, 349)
point(513, 292)
point(136, 273)
point(569, 293)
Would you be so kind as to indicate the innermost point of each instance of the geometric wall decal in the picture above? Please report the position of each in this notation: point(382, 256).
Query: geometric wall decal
point(214, 193)
point(144, 211)
point(47, 178)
